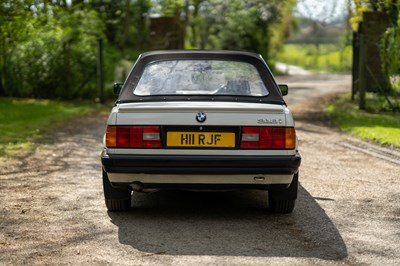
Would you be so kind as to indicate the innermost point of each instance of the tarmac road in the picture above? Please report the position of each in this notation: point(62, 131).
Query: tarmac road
point(52, 210)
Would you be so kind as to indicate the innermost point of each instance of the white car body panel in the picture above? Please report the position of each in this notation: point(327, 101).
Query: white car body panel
point(201, 179)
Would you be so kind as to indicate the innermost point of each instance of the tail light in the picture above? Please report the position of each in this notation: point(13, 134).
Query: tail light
point(133, 137)
point(268, 138)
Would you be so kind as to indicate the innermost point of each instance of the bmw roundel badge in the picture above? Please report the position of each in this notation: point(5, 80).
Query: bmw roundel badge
point(201, 117)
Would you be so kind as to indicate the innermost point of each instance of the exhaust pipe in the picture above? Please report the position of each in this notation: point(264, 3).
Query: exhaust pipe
point(137, 186)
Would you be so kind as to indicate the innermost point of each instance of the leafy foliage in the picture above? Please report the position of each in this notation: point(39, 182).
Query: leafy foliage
point(390, 46)
point(239, 25)
point(48, 48)
point(51, 53)
point(391, 41)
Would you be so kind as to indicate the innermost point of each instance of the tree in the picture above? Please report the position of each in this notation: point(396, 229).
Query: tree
point(390, 46)
point(243, 25)
point(13, 19)
point(54, 42)
point(390, 50)
point(53, 51)
point(126, 22)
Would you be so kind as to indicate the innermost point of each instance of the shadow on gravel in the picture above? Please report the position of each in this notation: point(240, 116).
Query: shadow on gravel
point(227, 224)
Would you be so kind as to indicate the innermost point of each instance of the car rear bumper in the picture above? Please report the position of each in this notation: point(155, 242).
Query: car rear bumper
point(235, 165)
point(200, 172)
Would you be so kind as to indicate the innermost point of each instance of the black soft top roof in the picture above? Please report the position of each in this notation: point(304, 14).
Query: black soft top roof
point(127, 95)
point(203, 54)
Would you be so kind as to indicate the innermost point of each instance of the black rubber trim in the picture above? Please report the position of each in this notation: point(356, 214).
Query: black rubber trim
point(173, 186)
point(157, 164)
point(126, 94)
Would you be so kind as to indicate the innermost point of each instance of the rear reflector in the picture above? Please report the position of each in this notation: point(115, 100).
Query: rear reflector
point(268, 138)
point(133, 137)
point(250, 138)
point(151, 137)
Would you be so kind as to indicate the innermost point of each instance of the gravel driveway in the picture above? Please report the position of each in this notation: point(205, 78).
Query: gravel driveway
point(52, 210)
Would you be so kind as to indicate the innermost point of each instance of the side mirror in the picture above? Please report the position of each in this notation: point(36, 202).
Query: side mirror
point(117, 88)
point(284, 89)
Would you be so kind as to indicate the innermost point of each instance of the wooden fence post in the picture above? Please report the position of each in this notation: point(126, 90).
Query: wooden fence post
point(100, 78)
point(355, 67)
point(362, 70)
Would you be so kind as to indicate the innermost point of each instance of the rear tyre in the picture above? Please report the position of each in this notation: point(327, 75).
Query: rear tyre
point(283, 200)
point(117, 199)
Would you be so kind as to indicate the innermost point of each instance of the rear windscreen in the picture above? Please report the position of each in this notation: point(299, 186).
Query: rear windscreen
point(200, 77)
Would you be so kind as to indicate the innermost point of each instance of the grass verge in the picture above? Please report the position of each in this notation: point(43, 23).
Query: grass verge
point(383, 128)
point(22, 121)
point(324, 58)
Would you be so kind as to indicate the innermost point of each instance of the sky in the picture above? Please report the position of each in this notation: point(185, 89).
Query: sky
point(322, 10)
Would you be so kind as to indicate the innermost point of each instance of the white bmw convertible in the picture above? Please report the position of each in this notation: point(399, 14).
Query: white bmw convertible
point(200, 120)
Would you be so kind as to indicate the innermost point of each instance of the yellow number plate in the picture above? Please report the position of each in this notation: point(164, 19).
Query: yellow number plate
point(201, 139)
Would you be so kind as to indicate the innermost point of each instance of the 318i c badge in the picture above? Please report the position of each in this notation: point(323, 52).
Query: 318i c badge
point(201, 117)
point(269, 121)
